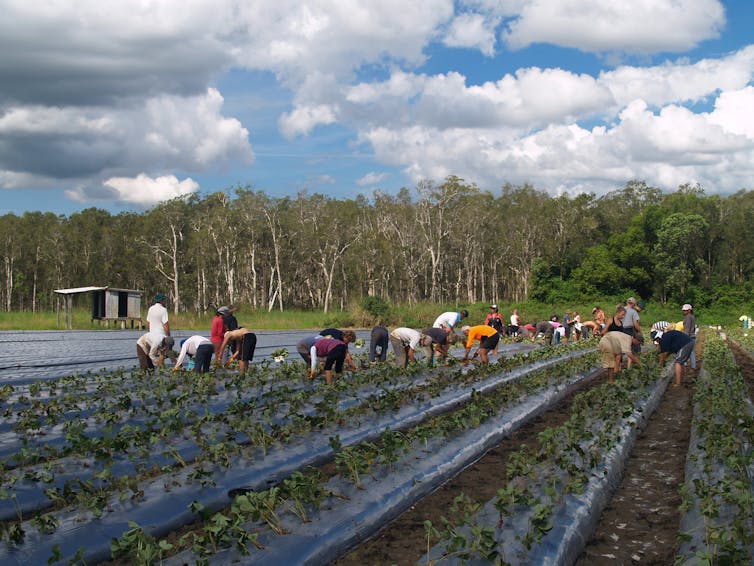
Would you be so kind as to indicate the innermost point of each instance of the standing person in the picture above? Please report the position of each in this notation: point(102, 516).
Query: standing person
point(200, 348)
point(157, 316)
point(405, 341)
point(437, 339)
point(378, 339)
point(631, 323)
point(246, 343)
point(567, 325)
point(675, 342)
point(615, 323)
point(494, 320)
point(151, 350)
point(515, 323)
point(217, 332)
point(450, 319)
point(335, 353)
point(612, 347)
point(488, 338)
point(689, 329)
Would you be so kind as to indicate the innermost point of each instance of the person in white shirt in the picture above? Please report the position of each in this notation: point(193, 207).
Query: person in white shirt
point(151, 350)
point(405, 341)
point(157, 316)
point(200, 348)
point(448, 320)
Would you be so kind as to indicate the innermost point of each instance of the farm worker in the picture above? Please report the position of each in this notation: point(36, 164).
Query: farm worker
point(305, 345)
point(339, 335)
point(152, 349)
point(546, 329)
point(437, 339)
point(378, 339)
point(200, 348)
point(335, 353)
point(690, 329)
point(231, 323)
point(450, 319)
point(246, 344)
point(678, 343)
point(217, 332)
point(157, 316)
point(745, 321)
point(332, 333)
point(494, 320)
point(488, 338)
point(612, 347)
point(631, 323)
point(515, 323)
point(405, 341)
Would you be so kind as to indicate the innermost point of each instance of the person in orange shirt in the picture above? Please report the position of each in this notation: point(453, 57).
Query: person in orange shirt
point(488, 338)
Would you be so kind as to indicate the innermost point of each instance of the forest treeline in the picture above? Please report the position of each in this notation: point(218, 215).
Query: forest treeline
point(445, 242)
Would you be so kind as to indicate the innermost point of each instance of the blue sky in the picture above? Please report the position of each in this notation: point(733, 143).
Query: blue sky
point(121, 105)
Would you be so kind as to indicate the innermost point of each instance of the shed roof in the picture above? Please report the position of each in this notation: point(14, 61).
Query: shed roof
point(75, 290)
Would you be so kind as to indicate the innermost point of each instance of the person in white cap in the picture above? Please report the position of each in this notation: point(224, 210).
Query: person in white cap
point(689, 328)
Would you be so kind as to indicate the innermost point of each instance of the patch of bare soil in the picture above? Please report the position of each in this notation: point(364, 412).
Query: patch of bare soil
point(745, 361)
point(403, 542)
point(641, 523)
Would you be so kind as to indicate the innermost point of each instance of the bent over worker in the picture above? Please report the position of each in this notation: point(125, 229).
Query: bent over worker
point(488, 338)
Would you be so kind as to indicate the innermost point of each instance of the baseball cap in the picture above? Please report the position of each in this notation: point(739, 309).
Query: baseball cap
point(631, 301)
point(223, 310)
point(159, 297)
point(493, 307)
point(686, 307)
point(465, 328)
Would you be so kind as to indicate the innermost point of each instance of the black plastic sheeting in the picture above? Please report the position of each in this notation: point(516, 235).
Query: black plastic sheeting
point(693, 521)
point(577, 517)
point(164, 503)
point(29, 495)
point(342, 524)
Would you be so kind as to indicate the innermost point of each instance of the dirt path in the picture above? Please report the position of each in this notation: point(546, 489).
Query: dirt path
point(640, 525)
point(403, 542)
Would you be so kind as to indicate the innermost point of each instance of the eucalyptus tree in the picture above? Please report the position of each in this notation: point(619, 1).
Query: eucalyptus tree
point(166, 230)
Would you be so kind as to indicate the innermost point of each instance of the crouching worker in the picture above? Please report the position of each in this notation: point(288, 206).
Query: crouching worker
point(612, 347)
point(675, 342)
point(152, 349)
point(378, 341)
point(247, 343)
point(488, 338)
point(305, 345)
point(335, 353)
point(405, 341)
point(198, 347)
point(438, 339)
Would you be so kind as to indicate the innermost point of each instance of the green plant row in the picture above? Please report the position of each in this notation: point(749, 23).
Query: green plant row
point(537, 480)
point(721, 462)
point(374, 459)
point(93, 494)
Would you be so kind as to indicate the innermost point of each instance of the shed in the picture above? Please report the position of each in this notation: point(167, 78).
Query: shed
point(108, 304)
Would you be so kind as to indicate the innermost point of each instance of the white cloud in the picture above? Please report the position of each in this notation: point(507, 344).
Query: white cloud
point(639, 26)
point(668, 148)
point(303, 119)
point(82, 145)
point(472, 30)
point(142, 190)
point(371, 178)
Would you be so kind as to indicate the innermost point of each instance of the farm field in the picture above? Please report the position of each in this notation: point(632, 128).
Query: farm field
point(511, 463)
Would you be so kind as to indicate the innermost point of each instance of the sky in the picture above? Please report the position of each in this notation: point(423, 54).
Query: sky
point(120, 105)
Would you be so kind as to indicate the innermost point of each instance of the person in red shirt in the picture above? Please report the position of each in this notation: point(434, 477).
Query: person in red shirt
point(217, 332)
point(488, 338)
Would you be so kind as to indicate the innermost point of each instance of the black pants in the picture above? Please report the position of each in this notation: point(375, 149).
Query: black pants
point(248, 345)
point(336, 357)
point(203, 357)
point(379, 339)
